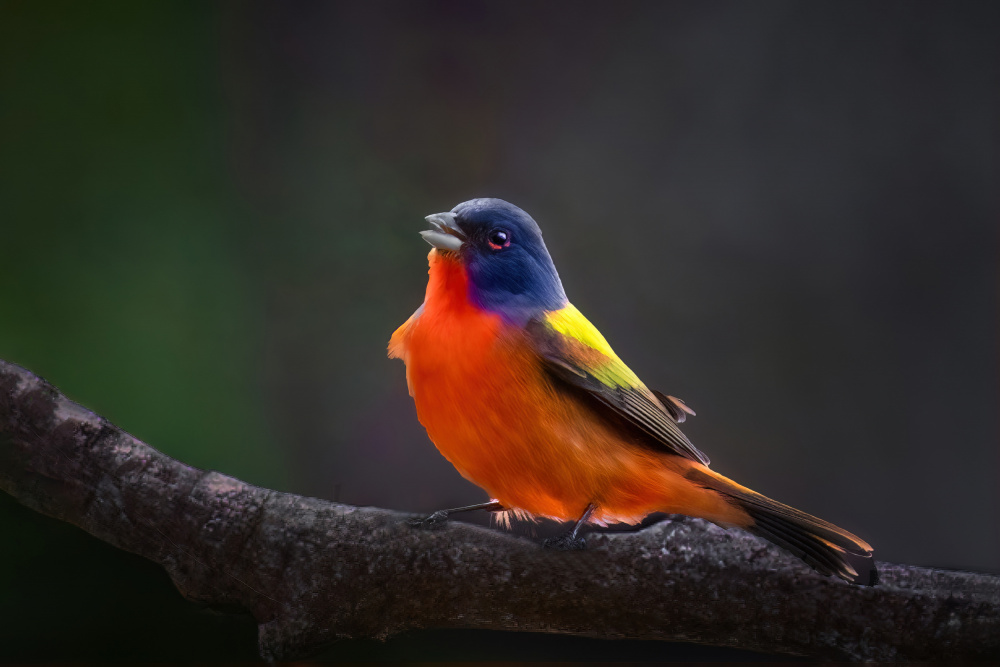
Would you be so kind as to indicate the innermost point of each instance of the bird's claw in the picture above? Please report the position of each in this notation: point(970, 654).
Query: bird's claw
point(565, 542)
point(432, 522)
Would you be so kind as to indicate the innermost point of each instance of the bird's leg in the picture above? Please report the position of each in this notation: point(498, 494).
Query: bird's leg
point(438, 519)
point(571, 541)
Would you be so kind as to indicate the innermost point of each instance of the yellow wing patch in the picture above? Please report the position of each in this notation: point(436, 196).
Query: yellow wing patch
point(575, 352)
point(606, 367)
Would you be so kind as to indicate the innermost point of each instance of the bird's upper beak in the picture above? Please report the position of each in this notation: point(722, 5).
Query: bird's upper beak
point(444, 233)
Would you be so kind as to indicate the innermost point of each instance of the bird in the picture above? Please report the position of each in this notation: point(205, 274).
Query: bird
point(527, 400)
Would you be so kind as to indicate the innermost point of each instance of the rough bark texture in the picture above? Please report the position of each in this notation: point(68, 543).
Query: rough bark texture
point(312, 571)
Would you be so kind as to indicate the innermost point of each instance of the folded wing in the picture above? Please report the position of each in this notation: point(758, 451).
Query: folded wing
point(576, 354)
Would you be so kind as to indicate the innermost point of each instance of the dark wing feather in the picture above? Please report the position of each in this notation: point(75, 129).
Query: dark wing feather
point(677, 408)
point(587, 369)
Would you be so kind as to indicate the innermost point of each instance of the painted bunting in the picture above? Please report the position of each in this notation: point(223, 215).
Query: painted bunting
point(527, 400)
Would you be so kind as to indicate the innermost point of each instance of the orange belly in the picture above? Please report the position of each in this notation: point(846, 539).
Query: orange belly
point(491, 410)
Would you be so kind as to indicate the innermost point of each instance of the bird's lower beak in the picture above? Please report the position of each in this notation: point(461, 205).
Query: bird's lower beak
point(444, 233)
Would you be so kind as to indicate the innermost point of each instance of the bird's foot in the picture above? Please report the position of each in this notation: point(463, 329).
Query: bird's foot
point(565, 542)
point(432, 522)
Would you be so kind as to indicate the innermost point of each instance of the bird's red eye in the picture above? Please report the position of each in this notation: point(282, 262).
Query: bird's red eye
point(499, 238)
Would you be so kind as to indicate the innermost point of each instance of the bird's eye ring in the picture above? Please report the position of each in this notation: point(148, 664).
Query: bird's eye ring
point(499, 239)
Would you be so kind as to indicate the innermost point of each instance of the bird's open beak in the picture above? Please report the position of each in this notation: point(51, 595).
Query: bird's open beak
point(444, 233)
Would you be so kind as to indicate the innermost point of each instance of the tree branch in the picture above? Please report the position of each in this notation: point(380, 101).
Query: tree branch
point(312, 571)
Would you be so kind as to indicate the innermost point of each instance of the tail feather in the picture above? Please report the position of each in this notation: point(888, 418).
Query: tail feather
point(823, 546)
point(816, 552)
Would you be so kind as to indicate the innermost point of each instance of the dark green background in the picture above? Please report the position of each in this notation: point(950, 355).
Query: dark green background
point(783, 212)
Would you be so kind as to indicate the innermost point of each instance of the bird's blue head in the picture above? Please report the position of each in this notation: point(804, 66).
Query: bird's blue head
point(500, 246)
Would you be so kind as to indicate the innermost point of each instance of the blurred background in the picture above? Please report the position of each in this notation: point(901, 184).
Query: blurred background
point(784, 213)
